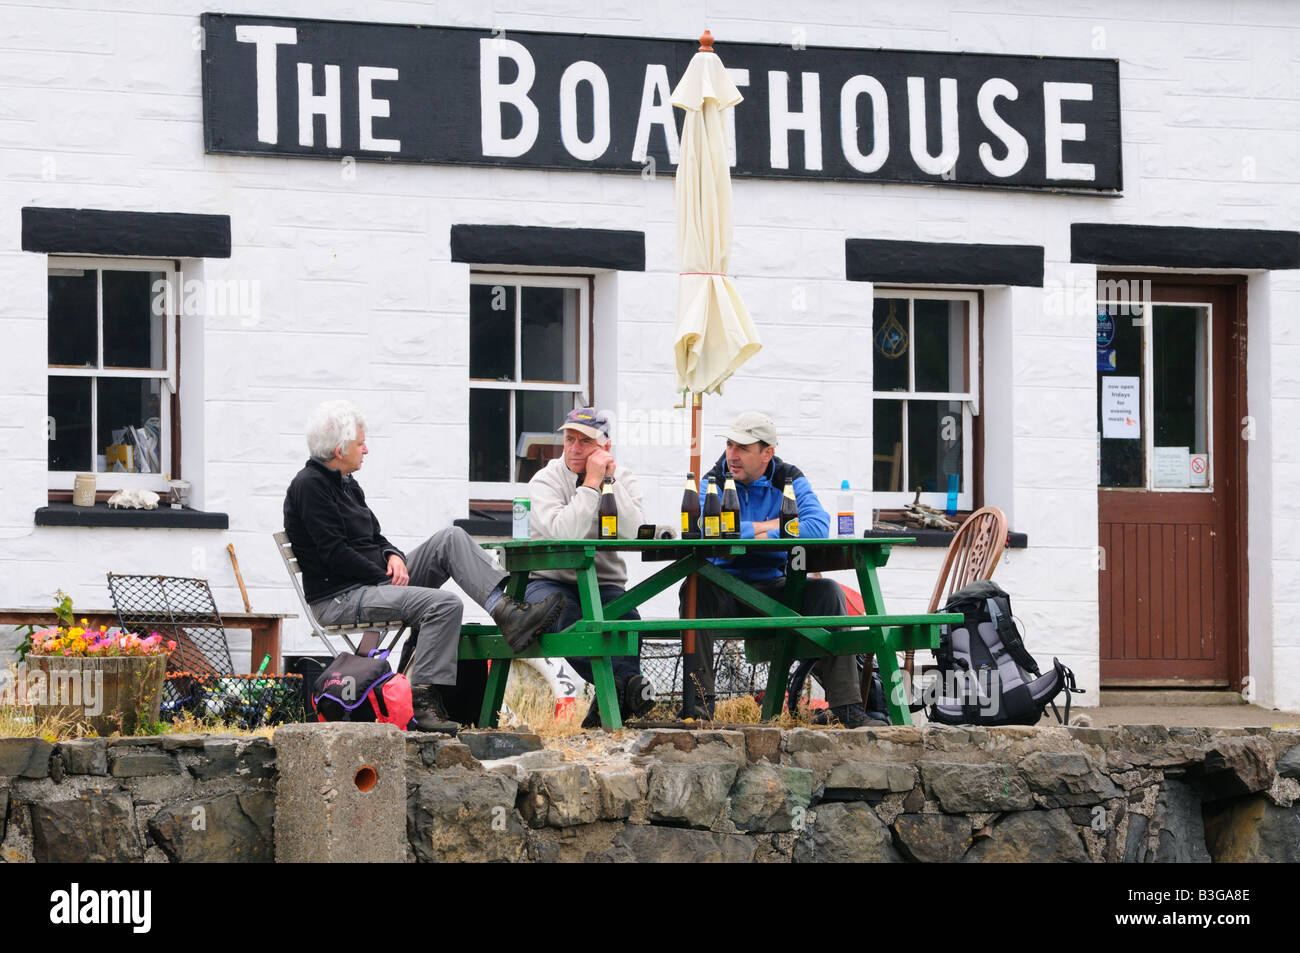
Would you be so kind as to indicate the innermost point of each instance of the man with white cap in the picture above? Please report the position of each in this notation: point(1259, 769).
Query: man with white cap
point(565, 500)
point(761, 477)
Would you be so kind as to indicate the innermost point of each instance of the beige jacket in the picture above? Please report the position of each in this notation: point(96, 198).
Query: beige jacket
point(561, 509)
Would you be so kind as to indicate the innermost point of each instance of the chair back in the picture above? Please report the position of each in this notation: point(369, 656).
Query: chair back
point(972, 555)
point(285, 549)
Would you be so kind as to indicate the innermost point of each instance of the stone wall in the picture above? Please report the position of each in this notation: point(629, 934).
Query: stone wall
point(1137, 794)
point(157, 799)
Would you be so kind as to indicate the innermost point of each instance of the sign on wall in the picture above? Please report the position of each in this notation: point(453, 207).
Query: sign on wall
point(287, 87)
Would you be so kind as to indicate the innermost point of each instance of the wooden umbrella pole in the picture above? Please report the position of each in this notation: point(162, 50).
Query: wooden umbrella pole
point(692, 581)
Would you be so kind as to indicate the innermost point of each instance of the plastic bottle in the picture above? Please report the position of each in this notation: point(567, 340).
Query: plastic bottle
point(844, 523)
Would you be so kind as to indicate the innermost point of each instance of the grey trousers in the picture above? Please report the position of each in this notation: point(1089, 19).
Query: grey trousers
point(434, 614)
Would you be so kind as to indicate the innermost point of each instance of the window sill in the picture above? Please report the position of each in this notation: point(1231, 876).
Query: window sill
point(486, 528)
point(101, 514)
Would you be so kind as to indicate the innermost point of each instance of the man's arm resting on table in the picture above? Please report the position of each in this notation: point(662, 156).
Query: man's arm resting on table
point(814, 521)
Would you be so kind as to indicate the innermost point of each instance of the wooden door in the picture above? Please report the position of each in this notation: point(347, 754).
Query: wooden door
point(1171, 496)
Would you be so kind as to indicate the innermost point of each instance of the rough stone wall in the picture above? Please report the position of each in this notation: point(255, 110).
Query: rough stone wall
point(1138, 794)
point(158, 799)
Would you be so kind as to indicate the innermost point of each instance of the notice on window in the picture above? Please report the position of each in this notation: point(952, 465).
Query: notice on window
point(1120, 419)
point(1172, 466)
point(1200, 470)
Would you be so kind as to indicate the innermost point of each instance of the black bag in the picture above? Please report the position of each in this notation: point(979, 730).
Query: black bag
point(362, 687)
point(986, 677)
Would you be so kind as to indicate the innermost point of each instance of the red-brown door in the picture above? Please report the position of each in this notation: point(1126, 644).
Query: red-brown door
point(1170, 407)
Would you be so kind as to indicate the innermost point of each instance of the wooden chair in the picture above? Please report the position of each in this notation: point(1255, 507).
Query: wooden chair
point(972, 555)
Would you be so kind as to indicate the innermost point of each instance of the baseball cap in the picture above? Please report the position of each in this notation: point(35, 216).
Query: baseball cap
point(751, 427)
point(589, 421)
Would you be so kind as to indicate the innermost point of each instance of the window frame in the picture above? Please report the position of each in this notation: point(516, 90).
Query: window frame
point(968, 497)
point(1146, 321)
point(61, 481)
point(481, 490)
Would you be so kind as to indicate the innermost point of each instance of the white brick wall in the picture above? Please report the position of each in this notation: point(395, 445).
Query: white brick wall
point(102, 109)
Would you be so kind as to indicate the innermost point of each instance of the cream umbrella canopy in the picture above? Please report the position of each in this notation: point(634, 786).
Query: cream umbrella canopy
point(714, 333)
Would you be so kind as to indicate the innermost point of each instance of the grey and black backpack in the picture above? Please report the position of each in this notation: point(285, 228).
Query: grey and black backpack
point(985, 676)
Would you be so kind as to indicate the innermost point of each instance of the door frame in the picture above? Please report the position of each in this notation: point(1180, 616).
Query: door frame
point(1235, 408)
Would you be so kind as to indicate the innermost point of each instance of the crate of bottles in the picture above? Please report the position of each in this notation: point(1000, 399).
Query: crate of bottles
point(250, 701)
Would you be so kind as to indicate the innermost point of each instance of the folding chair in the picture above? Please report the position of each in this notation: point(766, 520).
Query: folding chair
point(324, 632)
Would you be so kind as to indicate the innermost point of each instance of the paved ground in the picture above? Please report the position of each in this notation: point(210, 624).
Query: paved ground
point(1199, 716)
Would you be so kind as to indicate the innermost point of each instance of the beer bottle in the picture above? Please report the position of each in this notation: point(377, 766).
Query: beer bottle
point(730, 510)
point(789, 513)
point(712, 512)
point(608, 510)
point(691, 509)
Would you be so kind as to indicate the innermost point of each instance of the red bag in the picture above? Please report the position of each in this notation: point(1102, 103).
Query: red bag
point(360, 688)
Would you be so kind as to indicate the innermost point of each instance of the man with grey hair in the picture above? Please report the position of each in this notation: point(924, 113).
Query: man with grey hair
point(352, 574)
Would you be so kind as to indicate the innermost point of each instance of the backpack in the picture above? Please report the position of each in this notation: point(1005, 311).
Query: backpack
point(986, 677)
point(358, 687)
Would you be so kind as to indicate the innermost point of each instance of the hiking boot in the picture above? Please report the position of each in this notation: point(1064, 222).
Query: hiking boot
point(636, 696)
point(430, 711)
point(522, 622)
point(847, 716)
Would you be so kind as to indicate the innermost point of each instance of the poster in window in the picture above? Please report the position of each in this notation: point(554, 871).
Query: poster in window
point(1120, 419)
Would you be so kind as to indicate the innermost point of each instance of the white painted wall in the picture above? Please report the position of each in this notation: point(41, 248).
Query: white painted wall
point(102, 109)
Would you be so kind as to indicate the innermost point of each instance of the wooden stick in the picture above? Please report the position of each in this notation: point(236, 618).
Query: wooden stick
point(239, 577)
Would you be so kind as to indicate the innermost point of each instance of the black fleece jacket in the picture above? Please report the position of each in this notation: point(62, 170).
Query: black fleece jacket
point(334, 534)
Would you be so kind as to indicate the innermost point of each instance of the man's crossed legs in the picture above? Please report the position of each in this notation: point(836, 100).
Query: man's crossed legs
point(435, 615)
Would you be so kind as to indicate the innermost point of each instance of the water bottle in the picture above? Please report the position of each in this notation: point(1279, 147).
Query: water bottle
point(845, 521)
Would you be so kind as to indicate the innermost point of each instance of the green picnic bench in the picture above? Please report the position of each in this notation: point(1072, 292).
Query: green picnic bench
point(778, 635)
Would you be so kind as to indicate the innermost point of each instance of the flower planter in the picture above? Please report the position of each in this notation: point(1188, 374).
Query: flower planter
point(108, 693)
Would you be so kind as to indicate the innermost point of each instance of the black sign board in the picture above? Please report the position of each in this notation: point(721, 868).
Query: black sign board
point(328, 89)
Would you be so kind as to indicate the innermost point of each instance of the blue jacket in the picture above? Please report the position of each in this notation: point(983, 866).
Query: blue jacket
point(760, 501)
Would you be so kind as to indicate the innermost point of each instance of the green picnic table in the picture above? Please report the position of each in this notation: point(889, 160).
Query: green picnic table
point(778, 635)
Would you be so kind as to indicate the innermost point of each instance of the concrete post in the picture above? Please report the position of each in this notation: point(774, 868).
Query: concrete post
point(341, 796)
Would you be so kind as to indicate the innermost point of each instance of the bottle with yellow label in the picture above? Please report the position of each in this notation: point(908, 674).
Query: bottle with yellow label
point(789, 513)
point(730, 510)
point(712, 522)
point(608, 510)
point(691, 509)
